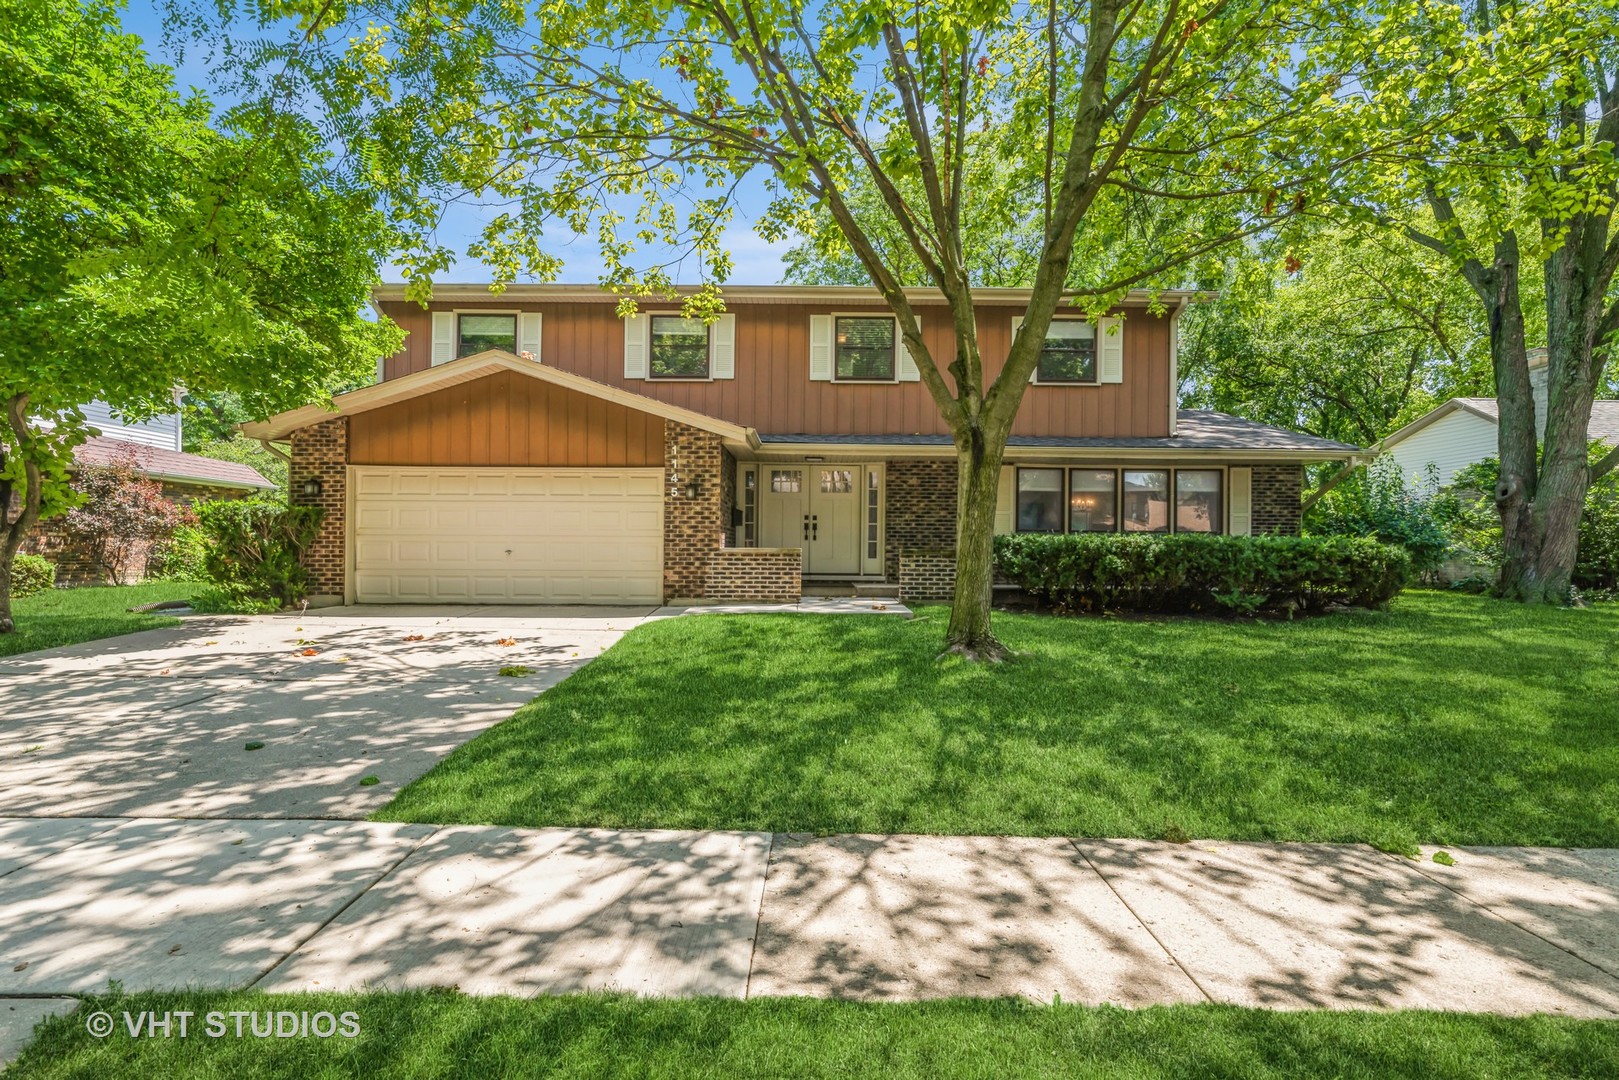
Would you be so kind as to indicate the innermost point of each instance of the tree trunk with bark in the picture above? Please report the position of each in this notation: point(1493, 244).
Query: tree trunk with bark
point(978, 471)
point(14, 530)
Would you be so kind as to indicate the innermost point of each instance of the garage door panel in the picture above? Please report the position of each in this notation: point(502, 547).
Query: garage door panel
point(518, 535)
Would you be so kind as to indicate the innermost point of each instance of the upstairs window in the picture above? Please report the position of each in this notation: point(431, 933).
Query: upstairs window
point(679, 348)
point(865, 348)
point(479, 333)
point(1069, 354)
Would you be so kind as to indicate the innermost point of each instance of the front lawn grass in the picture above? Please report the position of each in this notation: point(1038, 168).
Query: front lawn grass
point(429, 1035)
point(1449, 719)
point(69, 616)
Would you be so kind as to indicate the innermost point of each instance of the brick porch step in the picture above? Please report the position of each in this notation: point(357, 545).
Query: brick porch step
point(876, 589)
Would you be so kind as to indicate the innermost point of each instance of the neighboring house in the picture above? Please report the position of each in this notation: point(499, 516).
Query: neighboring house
point(154, 447)
point(1437, 445)
point(536, 448)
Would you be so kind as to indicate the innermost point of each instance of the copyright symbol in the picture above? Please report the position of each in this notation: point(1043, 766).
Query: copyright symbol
point(98, 1024)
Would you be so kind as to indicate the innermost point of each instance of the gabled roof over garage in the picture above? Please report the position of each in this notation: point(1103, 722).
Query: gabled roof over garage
point(478, 366)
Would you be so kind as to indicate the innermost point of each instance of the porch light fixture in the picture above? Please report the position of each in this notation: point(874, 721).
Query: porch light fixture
point(814, 458)
point(691, 489)
point(311, 487)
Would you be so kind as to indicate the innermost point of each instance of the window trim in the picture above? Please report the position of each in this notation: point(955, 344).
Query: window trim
point(708, 363)
point(894, 359)
point(1096, 356)
point(517, 328)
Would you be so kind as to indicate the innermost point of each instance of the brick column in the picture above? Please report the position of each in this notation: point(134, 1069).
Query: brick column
point(692, 528)
point(1278, 499)
point(921, 509)
point(321, 452)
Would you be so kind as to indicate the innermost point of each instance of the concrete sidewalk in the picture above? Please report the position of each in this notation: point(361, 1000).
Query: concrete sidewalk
point(294, 905)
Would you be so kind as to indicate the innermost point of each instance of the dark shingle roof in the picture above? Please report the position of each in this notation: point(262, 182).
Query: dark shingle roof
point(1198, 429)
point(1604, 415)
point(170, 464)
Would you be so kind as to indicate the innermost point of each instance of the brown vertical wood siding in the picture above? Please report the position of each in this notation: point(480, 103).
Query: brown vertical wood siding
point(772, 391)
point(510, 420)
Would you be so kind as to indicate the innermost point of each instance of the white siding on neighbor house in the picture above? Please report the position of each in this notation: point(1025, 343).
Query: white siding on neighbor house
point(162, 432)
point(1450, 444)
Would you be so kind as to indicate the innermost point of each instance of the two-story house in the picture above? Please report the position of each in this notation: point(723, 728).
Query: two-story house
point(537, 448)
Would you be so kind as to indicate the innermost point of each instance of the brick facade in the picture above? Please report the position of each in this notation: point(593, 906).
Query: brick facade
point(1278, 499)
point(321, 452)
point(693, 529)
point(927, 575)
point(921, 509)
point(765, 575)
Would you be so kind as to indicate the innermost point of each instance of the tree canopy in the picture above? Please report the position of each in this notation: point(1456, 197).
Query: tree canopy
point(148, 247)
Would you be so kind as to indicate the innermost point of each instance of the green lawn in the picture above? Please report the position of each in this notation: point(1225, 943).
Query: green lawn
point(68, 616)
point(1450, 719)
point(429, 1035)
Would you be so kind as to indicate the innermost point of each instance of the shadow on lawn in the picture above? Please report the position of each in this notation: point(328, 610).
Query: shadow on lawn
point(1457, 728)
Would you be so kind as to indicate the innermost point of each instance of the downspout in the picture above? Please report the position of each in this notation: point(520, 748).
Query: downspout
point(276, 450)
point(1355, 461)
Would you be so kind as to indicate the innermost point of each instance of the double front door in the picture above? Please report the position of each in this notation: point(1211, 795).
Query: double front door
point(817, 508)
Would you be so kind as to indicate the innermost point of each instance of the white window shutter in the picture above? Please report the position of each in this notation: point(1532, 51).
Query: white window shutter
point(636, 328)
point(1241, 482)
point(722, 347)
point(1110, 350)
point(528, 334)
point(443, 337)
point(1006, 501)
point(907, 363)
point(1017, 324)
point(820, 358)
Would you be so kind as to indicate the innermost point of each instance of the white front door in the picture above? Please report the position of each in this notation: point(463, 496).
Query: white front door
point(524, 536)
point(818, 509)
point(834, 520)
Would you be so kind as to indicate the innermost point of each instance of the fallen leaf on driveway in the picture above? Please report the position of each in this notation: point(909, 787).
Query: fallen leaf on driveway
point(506, 641)
point(415, 637)
point(20, 966)
point(165, 671)
point(309, 652)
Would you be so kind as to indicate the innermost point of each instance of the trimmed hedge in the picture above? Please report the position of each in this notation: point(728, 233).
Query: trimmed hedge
point(31, 574)
point(1196, 572)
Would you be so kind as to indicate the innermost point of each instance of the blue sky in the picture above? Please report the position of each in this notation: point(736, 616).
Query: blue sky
point(757, 262)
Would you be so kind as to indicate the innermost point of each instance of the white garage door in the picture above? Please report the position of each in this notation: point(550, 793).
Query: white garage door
point(519, 536)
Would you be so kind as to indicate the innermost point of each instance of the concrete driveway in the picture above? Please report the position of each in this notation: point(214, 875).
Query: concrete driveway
point(157, 724)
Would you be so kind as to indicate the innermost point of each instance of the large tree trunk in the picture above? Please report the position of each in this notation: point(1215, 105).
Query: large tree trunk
point(978, 471)
point(1541, 493)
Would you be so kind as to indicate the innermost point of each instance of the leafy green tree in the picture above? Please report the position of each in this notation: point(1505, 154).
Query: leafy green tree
point(1341, 332)
point(862, 113)
point(1523, 103)
point(144, 249)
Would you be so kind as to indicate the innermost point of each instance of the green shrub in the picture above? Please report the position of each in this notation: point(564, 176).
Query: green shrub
point(1377, 502)
point(231, 600)
point(31, 574)
point(180, 557)
point(253, 547)
point(1196, 572)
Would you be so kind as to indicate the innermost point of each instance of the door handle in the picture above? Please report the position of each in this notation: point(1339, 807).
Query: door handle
point(815, 526)
point(806, 527)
